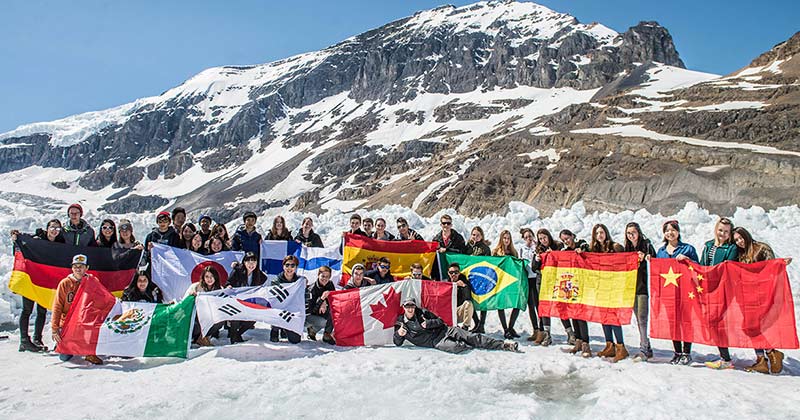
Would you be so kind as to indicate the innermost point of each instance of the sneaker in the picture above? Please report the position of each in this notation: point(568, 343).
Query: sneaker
point(328, 338)
point(686, 359)
point(93, 360)
point(720, 364)
point(676, 359)
point(312, 333)
point(640, 357)
point(25, 344)
point(511, 346)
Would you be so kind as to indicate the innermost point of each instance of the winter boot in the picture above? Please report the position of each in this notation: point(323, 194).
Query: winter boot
point(38, 343)
point(676, 359)
point(513, 332)
point(328, 338)
point(775, 361)
point(620, 352)
point(686, 359)
point(25, 344)
point(204, 342)
point(273, 335)
point(586, 350)
point(535, 335)
point(547, 340)
point(511, 346)
point(539, 337)
point(570, 336)
point(93, 360)
point(575, 349)
point(759, 366)
point(608, 350)
point(312, 333)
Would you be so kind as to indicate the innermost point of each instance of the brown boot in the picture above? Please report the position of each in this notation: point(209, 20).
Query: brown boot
point(620, 352)
point(535, 335)
point(577, 347)
point(608, 350)
point(204, 342)
point(539, 337)
point(93, 360)
point(586, 350)
point(759, 366)
point(775, 361)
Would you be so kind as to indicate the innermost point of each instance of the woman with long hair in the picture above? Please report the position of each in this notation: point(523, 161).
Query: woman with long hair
point(108, 234)
point(187, 232)
point(602, 243)
point(635, 241)
point(141, 289)
point(675, 248)
point(126, 239)
point(546, 244)
point(505, 247)
point(477, 246)
point(209, 281)
point(576, 336)
point(715, 251)
point(279, 231)
point(751, 251)
point(528, 253)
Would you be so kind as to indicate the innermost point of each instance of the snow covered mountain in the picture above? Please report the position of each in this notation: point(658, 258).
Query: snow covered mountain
point(467, 108)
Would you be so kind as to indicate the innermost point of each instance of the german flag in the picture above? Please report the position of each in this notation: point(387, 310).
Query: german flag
point(39, 265)
point(359, 249)
point(589, 286)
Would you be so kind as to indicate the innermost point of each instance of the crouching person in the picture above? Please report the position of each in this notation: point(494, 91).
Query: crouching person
point(209, 281)
point(65, 295)
point(424, 329)
point(318, 312)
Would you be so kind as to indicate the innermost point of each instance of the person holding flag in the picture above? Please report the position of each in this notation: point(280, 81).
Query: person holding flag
point(288, 275)
point(209, 281)
point(424, 329)
point(318, 313)
point(245, 274)
point(65, 295)
point(717, 250)
point(635, 241)
point(602, 243)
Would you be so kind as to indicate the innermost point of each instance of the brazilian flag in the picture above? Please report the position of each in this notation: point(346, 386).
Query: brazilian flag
point(497, 282)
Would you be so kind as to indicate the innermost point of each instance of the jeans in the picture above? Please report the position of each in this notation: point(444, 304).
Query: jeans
point(611, 331)
point(457, 340)
point(641, 310)
point(320, 322)
point(25, 317)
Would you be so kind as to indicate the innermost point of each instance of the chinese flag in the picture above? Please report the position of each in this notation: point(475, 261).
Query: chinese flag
point(726, 305)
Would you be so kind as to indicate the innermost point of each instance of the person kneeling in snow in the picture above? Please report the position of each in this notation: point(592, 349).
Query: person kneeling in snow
point(424, 329)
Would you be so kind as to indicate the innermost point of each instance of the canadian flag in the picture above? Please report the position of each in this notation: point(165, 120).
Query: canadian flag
point(366, 316)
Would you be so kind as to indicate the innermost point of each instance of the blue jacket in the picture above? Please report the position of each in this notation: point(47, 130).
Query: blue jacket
point(247, 242)
point(682, 249)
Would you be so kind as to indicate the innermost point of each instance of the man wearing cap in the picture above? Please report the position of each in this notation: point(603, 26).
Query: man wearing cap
point(65, 295)
point(77, 231)
point(205, 227)
point(246, 238)
point(424, 329)
point(357, 278)
point(162, 234)
point(245, 274)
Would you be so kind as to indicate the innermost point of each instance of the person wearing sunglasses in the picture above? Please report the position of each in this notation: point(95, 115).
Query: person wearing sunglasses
point(51, 233)
point(381, 274)
point(405, 233)
point(108, 234)
point(464, 307)
point(449, 240)
point(416, 273)
point(288, 275)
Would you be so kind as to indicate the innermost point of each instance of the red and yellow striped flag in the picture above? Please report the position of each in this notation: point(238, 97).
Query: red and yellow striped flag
point(367, 251)
point(590, 286)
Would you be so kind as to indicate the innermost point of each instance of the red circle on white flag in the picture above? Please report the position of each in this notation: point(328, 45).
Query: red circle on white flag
point(198, 269)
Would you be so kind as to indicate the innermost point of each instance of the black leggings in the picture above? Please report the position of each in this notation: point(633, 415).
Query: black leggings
point(25, 318)
point(682, 347)
point(581, 329)
point(502, 315)
point(533, 304)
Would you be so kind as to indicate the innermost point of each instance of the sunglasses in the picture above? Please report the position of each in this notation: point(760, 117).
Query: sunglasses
point(54, 229)
point(107, 228)
point(162, 219)
point(384, 266)
point(447, 223)
point(452, 273)
point(416, 275)
point(290, 265)
point(400, 226)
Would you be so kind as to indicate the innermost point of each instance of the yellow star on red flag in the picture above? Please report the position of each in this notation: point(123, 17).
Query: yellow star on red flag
point(699, 289)
point(691, 295)
point(671, 277)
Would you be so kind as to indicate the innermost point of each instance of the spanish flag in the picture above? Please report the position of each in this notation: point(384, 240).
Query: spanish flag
point(496, 282)
point(367, 251)
point(590, 286)
point(39, 265)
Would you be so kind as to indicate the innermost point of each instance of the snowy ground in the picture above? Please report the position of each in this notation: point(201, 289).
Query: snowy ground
point(314, 380)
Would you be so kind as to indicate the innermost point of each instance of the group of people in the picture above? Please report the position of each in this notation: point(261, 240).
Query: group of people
point(416, 324)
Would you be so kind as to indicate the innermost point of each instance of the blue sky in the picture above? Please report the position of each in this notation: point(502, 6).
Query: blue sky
point(61, 58)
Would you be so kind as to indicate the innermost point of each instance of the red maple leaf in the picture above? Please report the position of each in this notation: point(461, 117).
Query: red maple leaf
point(387, 312)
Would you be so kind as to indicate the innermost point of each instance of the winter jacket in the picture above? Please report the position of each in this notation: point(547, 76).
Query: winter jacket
point(536, 264)
point(477, 249)
point(312, 241)
point(642, 277)
point(464, 293)
point(433, 332)
point(197, 288)
point(359, 232)
point(281, 279)
point(724, 252)
point(386, 236)
point(120, 245)
point(42, 234)
point(278, 236)
point(204, 235)
point(65, 295)
point(455, 245)
point(315, 300)
point(170, 237)
point(376, 275)
point(239, 277)
point(150, 295)
point(80, 235)
point(246, 241)
point(412, 234)
point(681, 249)
point(579, 244)
point(351, 284)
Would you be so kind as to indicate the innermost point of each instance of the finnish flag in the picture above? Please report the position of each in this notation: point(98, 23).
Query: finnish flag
point(311, 259)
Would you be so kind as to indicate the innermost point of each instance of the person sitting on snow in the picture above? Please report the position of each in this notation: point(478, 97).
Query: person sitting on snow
point(424, 329)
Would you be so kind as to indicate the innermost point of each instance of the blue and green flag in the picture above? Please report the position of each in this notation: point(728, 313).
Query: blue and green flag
point(497, 282)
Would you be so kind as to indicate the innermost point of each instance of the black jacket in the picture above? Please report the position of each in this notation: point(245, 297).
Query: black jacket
point(278, 236)
point(359, 232)
point(239, 277)
point(456, 244)
point(434, 331)
point(282, 279)
point(170, 237)
point(641, 275)
point(133, 294)
point(313, 240)
point(479, 248)
point(42, 234)
point(386, 236)
point(412, 234)
point(536, 265)
point(376, 275)
point(579, 244)
point(464, 293)
point(315, 300)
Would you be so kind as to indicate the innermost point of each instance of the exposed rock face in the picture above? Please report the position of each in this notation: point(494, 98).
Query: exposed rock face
point(135, 203)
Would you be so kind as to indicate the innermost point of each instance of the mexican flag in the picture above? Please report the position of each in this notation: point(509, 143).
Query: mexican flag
point(99, 324)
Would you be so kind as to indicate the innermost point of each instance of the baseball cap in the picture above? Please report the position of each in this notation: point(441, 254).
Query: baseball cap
point(80, 259)
point(409, 301)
